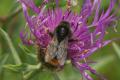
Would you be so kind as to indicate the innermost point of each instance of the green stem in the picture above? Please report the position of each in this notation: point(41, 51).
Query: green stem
point(3, 61)
point(56, 77)
point(13, 50)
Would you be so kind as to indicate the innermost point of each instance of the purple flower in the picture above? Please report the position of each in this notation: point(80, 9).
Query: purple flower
point(83, 41)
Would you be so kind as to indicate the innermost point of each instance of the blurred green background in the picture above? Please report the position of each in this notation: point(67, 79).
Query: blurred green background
point(19, 62)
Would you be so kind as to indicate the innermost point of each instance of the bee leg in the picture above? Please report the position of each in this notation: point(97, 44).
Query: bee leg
point(50, 33)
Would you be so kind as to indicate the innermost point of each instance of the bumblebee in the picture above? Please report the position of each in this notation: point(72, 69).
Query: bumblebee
point(55, 54)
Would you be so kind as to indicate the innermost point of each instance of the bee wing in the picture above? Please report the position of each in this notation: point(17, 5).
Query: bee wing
point(58, 51)
point(62, 52)
point(51, 51)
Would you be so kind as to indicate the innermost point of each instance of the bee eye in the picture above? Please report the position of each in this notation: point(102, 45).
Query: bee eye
point(62, 31)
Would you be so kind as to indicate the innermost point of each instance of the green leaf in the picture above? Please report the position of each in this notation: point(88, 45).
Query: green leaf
point(117, 49)
point(16, 68)
point(3, 61)
point(27, 51)
point(22, 67)
point(13, 50)
point(32, 73)
point(24, 48)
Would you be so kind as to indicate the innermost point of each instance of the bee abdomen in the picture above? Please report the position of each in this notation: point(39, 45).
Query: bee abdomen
point(53, 64)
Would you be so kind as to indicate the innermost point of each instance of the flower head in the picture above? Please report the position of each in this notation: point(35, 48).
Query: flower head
point(82, 41)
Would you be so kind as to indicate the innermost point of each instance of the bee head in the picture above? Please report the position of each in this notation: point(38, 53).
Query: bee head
point(62, 30)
